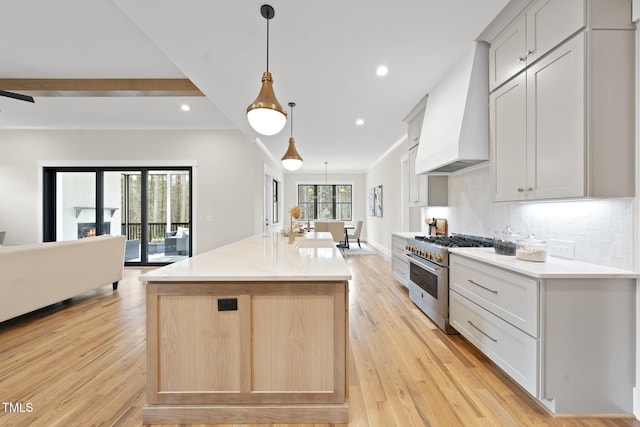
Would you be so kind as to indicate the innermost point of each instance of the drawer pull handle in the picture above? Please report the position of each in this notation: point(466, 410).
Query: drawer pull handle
point(483, 287)
point(482, 332)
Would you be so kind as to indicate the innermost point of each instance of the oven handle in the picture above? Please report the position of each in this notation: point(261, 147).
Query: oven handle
point(434, 270)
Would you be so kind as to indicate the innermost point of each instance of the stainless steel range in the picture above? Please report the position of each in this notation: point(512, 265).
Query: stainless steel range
point(429, 273)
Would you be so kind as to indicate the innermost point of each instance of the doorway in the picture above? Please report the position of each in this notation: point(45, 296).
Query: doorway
point(150, 206)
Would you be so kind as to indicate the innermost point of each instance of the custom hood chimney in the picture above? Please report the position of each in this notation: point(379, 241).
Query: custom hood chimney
point(455, 131)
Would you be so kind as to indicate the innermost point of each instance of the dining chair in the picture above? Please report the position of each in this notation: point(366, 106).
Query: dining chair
point(321, 226)
point(336, 228)
point(356, 233)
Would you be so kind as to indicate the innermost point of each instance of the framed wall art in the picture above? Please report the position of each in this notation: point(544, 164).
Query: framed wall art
point(372, 202)
point(378, 200)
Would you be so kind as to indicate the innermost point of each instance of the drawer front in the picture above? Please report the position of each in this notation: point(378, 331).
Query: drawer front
point(400, 269)
point(509, 296)
point(398, 245)
point(512, 350)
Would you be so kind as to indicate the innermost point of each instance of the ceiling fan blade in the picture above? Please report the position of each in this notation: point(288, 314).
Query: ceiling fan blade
point(16, 96)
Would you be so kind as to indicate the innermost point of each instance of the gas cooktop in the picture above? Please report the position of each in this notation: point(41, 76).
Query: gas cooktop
point(457, 241)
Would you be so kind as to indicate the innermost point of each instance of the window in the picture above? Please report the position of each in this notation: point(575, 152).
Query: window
point(276, 204)
point(325, 201)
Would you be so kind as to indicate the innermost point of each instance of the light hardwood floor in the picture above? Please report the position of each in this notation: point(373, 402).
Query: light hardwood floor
point(82, 363)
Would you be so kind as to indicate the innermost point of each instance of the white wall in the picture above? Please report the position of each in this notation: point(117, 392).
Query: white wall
point(228, 184)
point(387, 172)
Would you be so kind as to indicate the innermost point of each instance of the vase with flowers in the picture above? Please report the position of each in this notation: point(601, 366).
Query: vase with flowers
point(294, 212)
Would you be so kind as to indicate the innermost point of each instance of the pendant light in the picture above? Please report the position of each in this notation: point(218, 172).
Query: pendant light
point(291, 159)
point(266, 116)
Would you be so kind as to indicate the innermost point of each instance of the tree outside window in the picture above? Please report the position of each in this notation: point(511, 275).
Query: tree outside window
point(325, 201)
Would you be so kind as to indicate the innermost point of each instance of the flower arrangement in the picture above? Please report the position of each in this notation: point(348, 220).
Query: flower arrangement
point(294, 228)
point(295, 212)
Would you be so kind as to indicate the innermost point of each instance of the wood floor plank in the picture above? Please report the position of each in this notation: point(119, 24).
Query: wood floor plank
point(82, 363)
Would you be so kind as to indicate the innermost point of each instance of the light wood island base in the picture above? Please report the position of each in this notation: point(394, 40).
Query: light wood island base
point(247, 352)
point(246, 414)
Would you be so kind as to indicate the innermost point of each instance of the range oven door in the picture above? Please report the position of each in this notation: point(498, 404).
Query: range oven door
point(429, 289)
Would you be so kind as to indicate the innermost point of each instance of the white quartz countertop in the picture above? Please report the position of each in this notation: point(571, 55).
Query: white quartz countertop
point(552, 268)
point(407, 234)
point(261, 258)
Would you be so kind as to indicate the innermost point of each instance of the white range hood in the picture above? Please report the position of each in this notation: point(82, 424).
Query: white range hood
point(455, 131)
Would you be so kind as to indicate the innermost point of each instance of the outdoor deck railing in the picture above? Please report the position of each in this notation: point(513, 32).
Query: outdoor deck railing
point(156, 230)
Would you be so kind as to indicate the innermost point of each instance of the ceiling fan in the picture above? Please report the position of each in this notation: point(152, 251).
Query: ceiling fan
point(19, 96)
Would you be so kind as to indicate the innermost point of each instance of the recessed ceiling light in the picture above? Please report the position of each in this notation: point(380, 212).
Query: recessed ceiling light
point(185, 107)
point(359, 122)
point(382, 70)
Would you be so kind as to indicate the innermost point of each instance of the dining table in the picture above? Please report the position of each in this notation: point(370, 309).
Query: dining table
point(347, 227)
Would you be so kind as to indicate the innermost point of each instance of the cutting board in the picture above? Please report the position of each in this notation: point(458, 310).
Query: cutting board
point(441, 228)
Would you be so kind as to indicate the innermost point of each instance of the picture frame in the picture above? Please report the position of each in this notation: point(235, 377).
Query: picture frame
point(378, 200)
point(372, 202)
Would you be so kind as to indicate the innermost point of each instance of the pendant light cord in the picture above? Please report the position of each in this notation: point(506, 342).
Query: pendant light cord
point(291, 121)
point(268, 44)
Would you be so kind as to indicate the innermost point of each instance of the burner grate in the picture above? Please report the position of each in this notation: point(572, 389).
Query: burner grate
point(458, 241)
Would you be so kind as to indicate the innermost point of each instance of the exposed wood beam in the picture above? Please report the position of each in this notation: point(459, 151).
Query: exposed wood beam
point(101, 87)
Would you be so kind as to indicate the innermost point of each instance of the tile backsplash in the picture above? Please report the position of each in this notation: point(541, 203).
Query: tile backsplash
point(602, 229)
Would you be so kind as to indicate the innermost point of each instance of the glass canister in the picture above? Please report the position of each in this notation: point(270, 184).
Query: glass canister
point(504, 241)
point(532, 249)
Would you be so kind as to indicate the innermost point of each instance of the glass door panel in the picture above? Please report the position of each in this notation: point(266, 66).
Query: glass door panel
point(122, 196)
point(76, 205)
point(169, 202)
point(152, 208)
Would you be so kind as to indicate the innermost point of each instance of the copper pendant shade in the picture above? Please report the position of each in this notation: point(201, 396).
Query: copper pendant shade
point(266, 116)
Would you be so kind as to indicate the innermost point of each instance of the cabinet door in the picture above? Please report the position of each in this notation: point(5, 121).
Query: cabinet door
point(544, 25)
point(417, 183)
point(556, 123)
point(508, 140)
point(507, 53)
point(415, 127)
point(549, 23)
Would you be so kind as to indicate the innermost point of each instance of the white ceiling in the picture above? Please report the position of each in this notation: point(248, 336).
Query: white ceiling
point(323, 56)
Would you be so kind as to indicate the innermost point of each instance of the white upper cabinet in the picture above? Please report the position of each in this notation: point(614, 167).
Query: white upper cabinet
point(544, 25)
point(564, 126)
point(537, 132)
point(508, 139)
point(424, 190)
point(415, 127)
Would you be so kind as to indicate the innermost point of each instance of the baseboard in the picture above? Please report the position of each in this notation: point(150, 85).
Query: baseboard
point(337, 413)
point(380, 248)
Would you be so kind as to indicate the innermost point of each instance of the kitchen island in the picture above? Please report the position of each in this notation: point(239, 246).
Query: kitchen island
point(252, 332)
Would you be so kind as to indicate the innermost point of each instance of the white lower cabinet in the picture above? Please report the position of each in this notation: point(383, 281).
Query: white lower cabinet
point(509, 296)
point(399, 263)
point(566, 336)
point(507, 346)
point(497, 311)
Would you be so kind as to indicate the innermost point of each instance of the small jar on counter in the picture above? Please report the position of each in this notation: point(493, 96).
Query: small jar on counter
point(504, 241)
point(532, 249)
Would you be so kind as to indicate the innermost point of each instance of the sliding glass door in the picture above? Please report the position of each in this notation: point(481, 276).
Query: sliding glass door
point(151, 206)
